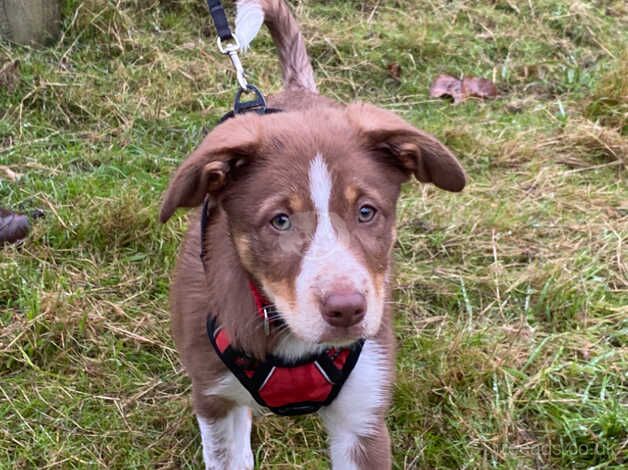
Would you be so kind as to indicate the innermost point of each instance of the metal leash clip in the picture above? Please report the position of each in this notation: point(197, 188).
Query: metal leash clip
point(231, 50)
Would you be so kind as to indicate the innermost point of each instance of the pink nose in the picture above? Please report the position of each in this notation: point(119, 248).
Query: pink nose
point(343, 309)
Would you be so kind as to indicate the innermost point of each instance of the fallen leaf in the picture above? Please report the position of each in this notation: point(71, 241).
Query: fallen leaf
point(446, 85)
point(10, 75)
point(459, 90)
point(394, 70)
point(13, 227)
point(479, 87)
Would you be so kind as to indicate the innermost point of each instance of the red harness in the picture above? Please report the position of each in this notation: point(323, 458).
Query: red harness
point(286, 388)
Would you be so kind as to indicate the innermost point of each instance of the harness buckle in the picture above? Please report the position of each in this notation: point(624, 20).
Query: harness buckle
point(258, 103)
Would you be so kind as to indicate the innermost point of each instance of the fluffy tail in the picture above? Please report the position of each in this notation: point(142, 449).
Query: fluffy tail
point(295, 63)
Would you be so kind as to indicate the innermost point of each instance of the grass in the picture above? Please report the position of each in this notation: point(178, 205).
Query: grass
point(512, 317)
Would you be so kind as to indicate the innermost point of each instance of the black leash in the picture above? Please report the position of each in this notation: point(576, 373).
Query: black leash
point(220, 20)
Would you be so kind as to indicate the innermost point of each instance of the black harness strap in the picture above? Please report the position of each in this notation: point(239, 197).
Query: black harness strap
point(257, 104)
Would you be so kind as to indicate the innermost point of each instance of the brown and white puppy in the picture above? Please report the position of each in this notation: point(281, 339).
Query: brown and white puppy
point(303, 202)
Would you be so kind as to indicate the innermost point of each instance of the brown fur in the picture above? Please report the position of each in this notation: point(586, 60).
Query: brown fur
point(295, 63)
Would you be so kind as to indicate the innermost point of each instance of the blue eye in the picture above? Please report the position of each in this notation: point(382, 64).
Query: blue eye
point(281, 222)
point(366, 213)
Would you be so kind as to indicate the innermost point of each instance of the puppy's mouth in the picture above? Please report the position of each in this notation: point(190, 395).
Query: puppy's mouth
point(342, 336)
point(331, 336)
point(328, 335)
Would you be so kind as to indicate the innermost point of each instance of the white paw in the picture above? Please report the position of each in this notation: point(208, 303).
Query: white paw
point(244, 461)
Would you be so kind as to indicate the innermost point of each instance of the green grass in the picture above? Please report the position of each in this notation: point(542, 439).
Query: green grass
point(512, 317)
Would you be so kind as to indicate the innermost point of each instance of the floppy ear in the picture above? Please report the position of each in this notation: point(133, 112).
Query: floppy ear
point(415, 151)
point(206, 169)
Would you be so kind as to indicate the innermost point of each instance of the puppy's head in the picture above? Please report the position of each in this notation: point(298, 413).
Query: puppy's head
point(310, 201)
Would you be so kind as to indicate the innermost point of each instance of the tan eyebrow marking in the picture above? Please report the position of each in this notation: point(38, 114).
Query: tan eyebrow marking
point(351, 194)
point(296, 203)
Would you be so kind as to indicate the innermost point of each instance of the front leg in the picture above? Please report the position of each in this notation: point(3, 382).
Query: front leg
point(227, 440)
point(350, 450)
point(358, 436)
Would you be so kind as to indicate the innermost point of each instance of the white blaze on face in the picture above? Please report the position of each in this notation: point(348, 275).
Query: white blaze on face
point(328, 266)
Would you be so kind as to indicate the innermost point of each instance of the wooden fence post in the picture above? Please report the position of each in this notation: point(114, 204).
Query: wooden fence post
point(30, 22)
